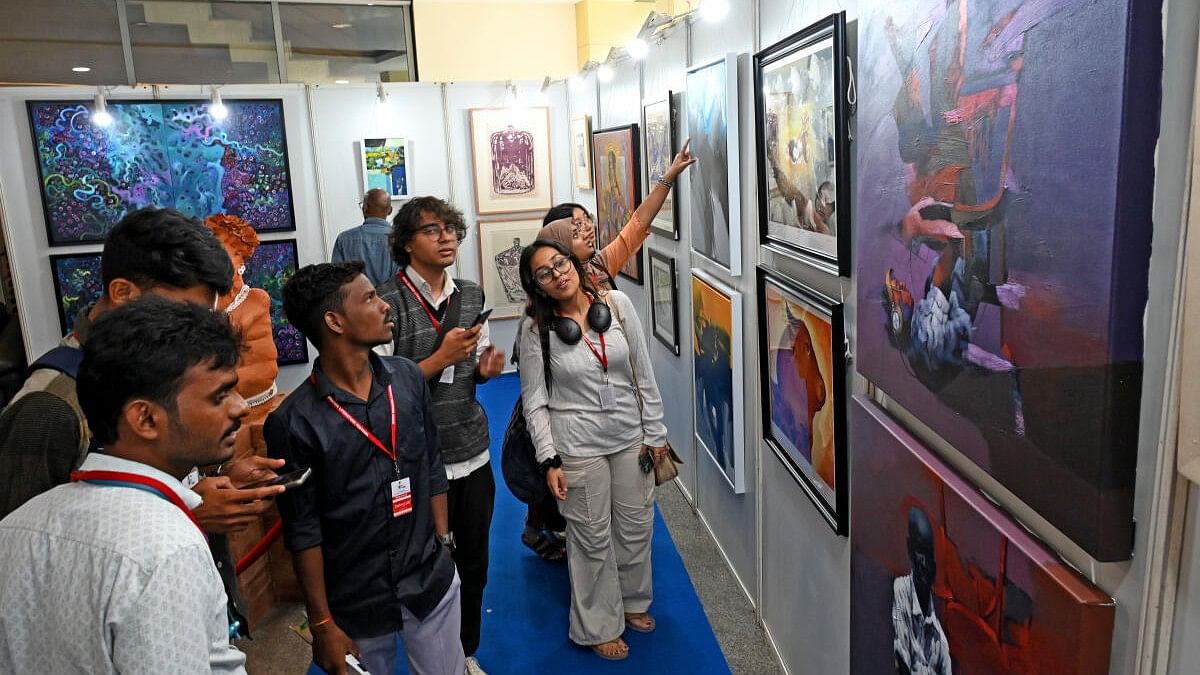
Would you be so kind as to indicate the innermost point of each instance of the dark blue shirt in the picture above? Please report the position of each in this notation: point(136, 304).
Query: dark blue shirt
point(369, 243)
point(374, 563)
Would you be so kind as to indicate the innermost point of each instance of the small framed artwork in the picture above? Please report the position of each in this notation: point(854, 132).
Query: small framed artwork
point(715, 180)
point(510, 149)
point(500, 245)
point(802, 352)
point(803, 146)
point(269, 268)
point(718, 374)
point(659, 128)
point(664, 300)
point(385, 166)
point(618, 188)
point(581, 151)
point(77, 285)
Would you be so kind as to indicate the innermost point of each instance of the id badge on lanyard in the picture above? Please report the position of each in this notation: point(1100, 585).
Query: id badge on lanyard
point(401, 487)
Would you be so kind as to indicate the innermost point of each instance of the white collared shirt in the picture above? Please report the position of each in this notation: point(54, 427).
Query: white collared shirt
point(108, 579)
point(919, 641)
point(465, 468)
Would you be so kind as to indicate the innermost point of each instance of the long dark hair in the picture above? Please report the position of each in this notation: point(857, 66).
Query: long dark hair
point(540, 306)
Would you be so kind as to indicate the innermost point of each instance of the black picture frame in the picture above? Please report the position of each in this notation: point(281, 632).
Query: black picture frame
point(87, 290)
point(830, 500)
point(672, 146)
point(798, 241)
point(671, 342)
point(54, 236)
point(607, 232)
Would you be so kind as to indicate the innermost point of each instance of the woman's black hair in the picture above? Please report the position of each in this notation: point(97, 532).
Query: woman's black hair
point(564, 210)
point(540, 306)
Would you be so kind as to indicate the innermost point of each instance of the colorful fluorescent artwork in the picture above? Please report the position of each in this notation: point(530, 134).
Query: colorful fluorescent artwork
point(272, 264)
point(717, 362)
point(942, 581)
point(803, 376)
point(715, 183)
point(385, 166)
point(169, 153)
point(618, 190)
point(659, 148)
point(1004, 249)
point(510, 148)
point(77, 285)
point(802, 152)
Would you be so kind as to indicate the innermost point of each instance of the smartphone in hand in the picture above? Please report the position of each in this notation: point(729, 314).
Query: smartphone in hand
point(287, 480)
point(483, 316)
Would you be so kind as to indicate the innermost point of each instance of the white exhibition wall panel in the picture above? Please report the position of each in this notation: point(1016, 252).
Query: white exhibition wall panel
point(581, 100)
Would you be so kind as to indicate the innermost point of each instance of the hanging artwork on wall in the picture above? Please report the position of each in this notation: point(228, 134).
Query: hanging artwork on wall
point(718, 375)
point(942, 580)
point(269, 268)
point(77, 285)
point(385, 166)
point(803, 373)
point(715, 182)
point(659, 128)
point(618, 189)
point(664, 300)
point(581, 151)
point(1000, 297)
point(803, 145)
point(161, 153)
point(500, 244)
point(510, 148)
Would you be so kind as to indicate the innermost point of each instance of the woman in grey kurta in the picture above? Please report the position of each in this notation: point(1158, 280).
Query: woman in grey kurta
point(591, 424)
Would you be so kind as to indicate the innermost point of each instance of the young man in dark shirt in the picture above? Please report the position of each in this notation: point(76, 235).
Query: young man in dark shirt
point(363, 528)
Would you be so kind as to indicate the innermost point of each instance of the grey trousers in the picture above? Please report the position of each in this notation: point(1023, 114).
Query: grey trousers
point(610, 521)
point(433, 646)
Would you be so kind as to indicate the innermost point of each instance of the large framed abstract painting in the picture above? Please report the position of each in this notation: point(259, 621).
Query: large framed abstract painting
point(802, 352)
point(386, 166)
point(269, 268)
point(581, 151)
point(943, 581)
point(715, 181)
point(618, 188)
point(500, 244)
point(802, 124)
point(510, 148)
point(718, 376)
point(161, 153)
point(659, 128)
point(77, 285)
point(664, 300)
point(1004, 239)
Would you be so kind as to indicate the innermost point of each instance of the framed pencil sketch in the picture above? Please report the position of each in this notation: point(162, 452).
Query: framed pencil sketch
point(718, 375)
point(658, 126)
point(803, 139)
point(510, 150)
point(500, 244)
point(581, 151)
point(618, 189)
point(802, 353)
point(664, 300)
point(715, 180)
point(77, 284)
point(385, 165)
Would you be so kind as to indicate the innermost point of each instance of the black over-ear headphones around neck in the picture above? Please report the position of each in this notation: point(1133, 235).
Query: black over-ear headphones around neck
point(599, 318)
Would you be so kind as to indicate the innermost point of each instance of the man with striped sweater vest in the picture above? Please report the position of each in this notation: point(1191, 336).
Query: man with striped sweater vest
point(435, 327)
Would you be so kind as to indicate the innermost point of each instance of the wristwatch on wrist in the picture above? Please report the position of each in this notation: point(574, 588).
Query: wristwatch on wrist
point(447, 540)
point(552, 463)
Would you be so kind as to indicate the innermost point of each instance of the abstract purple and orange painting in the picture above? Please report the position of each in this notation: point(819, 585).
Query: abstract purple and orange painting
point(943, 582)
point(1006, 169)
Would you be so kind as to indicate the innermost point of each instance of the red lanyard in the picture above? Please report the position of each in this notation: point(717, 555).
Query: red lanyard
point(362, 429)
point(437, 325)
point(137, 482)
point(602, 355)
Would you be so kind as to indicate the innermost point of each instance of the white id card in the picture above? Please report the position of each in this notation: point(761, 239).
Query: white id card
point(608, 396)
point(447, 375)
point(401, 498)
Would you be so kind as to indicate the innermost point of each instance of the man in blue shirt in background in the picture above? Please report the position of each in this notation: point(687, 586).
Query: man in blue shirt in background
point(369, 242)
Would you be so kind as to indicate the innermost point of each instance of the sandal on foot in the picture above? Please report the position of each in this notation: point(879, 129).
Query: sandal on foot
point(546, 546)
point(613, 650)
point(642, 623)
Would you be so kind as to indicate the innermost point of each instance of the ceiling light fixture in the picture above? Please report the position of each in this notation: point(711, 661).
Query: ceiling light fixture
point(714, 11)
point(637, 49)
point(81, 69)
point(100, 116)
point(341, 81)
point(217, 108)
point(605, 73)
point(341, 25)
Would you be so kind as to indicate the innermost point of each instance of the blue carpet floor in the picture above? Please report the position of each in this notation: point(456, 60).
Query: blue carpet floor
point(527, 599)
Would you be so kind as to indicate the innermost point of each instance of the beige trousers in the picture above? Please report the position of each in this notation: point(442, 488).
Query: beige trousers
point(610, 520)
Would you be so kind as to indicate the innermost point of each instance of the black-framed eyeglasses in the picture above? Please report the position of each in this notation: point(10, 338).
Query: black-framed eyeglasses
point(558, 267)
point(436, 231)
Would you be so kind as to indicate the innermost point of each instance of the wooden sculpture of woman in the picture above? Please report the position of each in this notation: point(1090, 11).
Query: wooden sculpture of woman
point(250, 311)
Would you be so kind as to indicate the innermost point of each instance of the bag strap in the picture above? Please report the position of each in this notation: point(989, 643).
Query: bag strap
point(637, 389)
point(62, 358)
point(544, 337)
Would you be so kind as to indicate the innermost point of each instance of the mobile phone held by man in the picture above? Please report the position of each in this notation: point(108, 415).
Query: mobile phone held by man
point(483, 316)
point(288, 480)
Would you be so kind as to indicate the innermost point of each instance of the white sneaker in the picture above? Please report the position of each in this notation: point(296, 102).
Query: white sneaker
point(473, 667)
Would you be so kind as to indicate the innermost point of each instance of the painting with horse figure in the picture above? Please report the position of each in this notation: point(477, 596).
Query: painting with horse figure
point(943, 581)
point(802, 352)
point(718, 375)
point(1004, 234)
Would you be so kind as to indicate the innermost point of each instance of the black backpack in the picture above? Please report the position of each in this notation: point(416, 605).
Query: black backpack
point(518, 456)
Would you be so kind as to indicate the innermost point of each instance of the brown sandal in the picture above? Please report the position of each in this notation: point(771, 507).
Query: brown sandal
point(641, 622)
point(616, 650)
